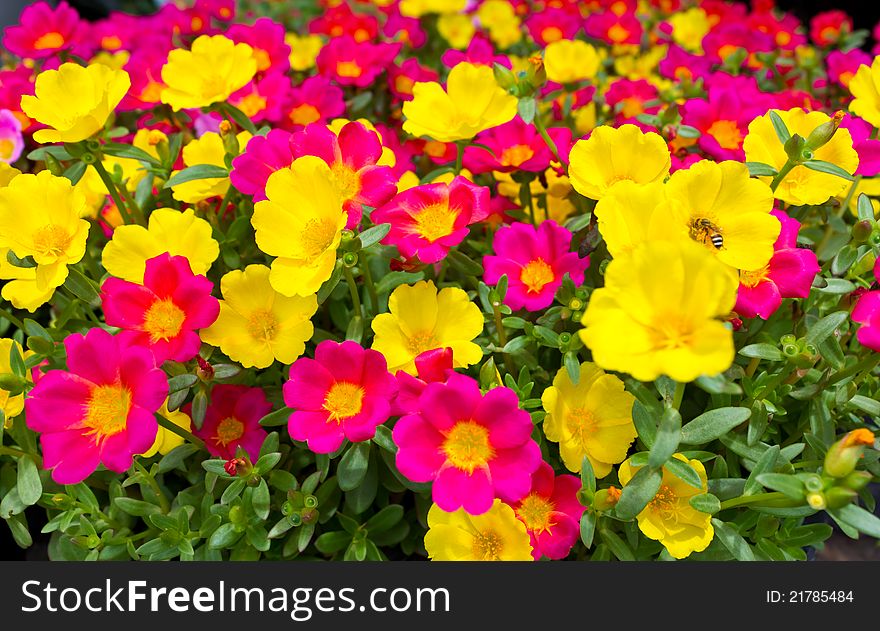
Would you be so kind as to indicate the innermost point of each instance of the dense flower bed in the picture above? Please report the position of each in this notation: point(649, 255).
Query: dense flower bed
point(497, 280)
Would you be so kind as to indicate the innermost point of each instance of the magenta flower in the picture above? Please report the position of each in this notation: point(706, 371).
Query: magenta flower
point(723, 120)
point(263, 98)
point(402, 78)
point(842, 67)
point(473, 447)
point(553, 24)
point(427, 220)
point(11, 140)
point(431, 366)
point(684, 66)
point(315, 100)
point(345, 392)
point(516, 146)
point(479, 52)
point(266, 37)
point(352, 157)
point(349, 62)
point(535, 261)
point(165, 312)
point(262, 156)
point(789, 274)
point(867, 313)
point(42, 31)
point(232, 420)
point(868, 149)
point(98, 411)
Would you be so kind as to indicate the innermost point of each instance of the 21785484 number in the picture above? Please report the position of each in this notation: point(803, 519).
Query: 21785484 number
point(809, 596)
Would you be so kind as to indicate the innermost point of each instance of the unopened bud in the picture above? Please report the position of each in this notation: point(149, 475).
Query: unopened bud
point(824, 132)
point(537, 74)
point(838, 497)
point(857, 480)
point(794, 148)
point(605, 499)
point(504, 76)
point(844, 455)
point(225, 127)
point(862, 230)
point(816, 500)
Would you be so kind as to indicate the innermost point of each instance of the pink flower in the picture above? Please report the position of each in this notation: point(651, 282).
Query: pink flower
point(404, 29)
point(263, 98)
point(479, 52)
point(551, 513)
point(535, 261)
point(842, 67)
point(42, 31)
point(341, 20)
point(401, 79)
point(429, 219)
point(431, 366)
point(516, 146)
point(316, 100)
point(349, 62)
point(789, 274)
point(684, 66)
point(723, 120)
point(100, 410)
point(612, 28)
point(262, 156)
point(553, 24)
point(868, 149)
point(345, 392)
point(629, 98)
point(145, 69)
point(266, 37)
point(352, 157)
point(11, 141)
point(232, 420)
point(827, 27)
point(724, 39)
point(14, 84)
point(164, 313)
point(473, 447)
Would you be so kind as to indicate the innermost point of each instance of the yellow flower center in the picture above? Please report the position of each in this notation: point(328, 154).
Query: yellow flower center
point(672, 332)
point(107, 410)
point(317, 236)
point(348, 69)
point(727, 134)
point(418, 343)
point(435, 149)
point(228, 430)
point(304, 114)
point(536, 274)
point(581, 423)
point(535, 512)
point(664, 502)
point(618, 33)
point(163, 320)
point(632, 107)
point(845, 78)
point(111, 42)
point(515, 155)
point(551, 34)
point(152, 92)
point(262, 325)
point(343, 400)
point(751, 279)
point(403, 84)
point(262, 59)
point(6, 148)
point(725, 51)
point(435, 221)
point(51, 240)
point(783, 38)
point(53, 39)
point(467, 446)
point(347, 180)
point(488, 546)
point(252, 104)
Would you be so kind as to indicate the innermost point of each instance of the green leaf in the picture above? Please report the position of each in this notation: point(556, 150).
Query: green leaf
point(385, 439)
point(353, 466)
point(858, 518)
point(705, 503)
point(75, 172)
point(433, 175)
point(30, 487)
point(866, 404)
point(232, 491)
point(686, 131)
point(239, 117)
point(527, 108)
point(829, 168)
point(176, 456)
point(825, 327)
point(713, 424)
point(636, 494)
point(127, 151)
point(572, 366)
point(276, 418)
point(332, 542)
point(766, 463)
point(197, 172)
point(618, 546)
point(464, 264)
point(81, 286)
point(181, 382)
point(645, 423)
point(199, 407)
point(668, 436)
point(762, 351)
point(733, 541)
point(135, 507)
point(759, 169)
point(866, 209)
point(685, 472)
point(224, 537)
point(588, 528)
point(373, 235)
point(56, 151)
point(20, 532)
point(260, 500)
point(788, 484)
point(384, 519)
point(588, 478)
point(779, 127)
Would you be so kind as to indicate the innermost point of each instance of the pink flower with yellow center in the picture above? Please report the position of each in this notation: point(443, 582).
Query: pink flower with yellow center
point(345, 392)
point(266, 37)
point(145, 69)
point(352, 157)
point(341, 20)
point(11, 140)
point(551, 513)
point(554, 24)
point(262, 156)
point(827, 27)
point(723, 119)
point(232, 420)
point(789, 274)
point(315, 100)
point(516, 146)
point(612, 28)
point(431, 366)
point(630, 98)
point(98, 411)
point(867, 313)
point(535, 260)
point(426, 221)
point(42, 31)
point(165, 312)
point(473, 447)
point(349, 62)
point(263, 98)
point(402, 78)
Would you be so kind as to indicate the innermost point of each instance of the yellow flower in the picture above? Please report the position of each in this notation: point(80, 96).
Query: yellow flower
point(168, 230)
point(114, 61)
point(7, 174)
point(166, 440)
point(21, 288)
point(214, 68)
point(496, 535)
point(869, 187)
point(659, 313)
point(630, 214)
point(457, 29)
point(11, 405)
point(669, 518)
point(584, 118)
point(303, 50)
point(257, 325)
point(500, 18)
point(567, 61)
point(689, 28)
point(636, 67)
point(301, 223)
point(865, 88)
point(802, 186)
point(472, 102)
point(726, 211)
point(74, 101)
point(592, 418)
point(418, 8)
point(207, 149)
point(421, 319)
point(40, 217)
point(610, 155)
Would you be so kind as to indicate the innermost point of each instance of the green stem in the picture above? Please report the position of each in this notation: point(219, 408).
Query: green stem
point(111, 188)
point(826, 236)
point(785, 170)
point(371, 287)
point(678, 395)
point(5, 314)
point(177, 429)
point(164, 504)
point(774, 381)
point(459, 155)
point(135, 210)
point(12, 451)
point(542, 131)
point(352, 288)
point(744, 500)
point(866, 366)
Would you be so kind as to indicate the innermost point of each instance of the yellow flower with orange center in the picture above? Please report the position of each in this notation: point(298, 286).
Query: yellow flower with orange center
point(496, 535)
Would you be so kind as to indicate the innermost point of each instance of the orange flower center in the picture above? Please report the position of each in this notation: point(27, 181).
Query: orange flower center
point(252, 104)
point(488, 546)
point(343, 400)
point(107, 410)
point(618, 8)
point(111, 42)
point(348, 69)
point(551, 34)
point(467, 446)
point(783, 38)
point(6, 148)
point(347, 180)
point(664, 502)
point(725, 51)
point(435, 221)
point(536, 513)
point(317, 236)
point(361, 35)
point(51, 240)
point(403, 84)
point(536, 275)
point(262, 325)
point(163, 320)
point(845, 78)
point(304, 114)
point(727, 134)
point(152, 92)
point(228, 430)
point(435, 149)
point(618, 34)
point(53, 39)
point(632, 106)
point(829, 34)
point(515, 155)
point(581, 423)
point(751, 279)
point(262, 59)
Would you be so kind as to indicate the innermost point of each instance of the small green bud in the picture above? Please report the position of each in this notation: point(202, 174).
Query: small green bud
point(844, 455)
point(794, 147)
point(824, 132)
point(838, 497)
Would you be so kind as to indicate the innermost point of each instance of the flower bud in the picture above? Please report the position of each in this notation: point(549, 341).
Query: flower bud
point(843, 455)
point(606, 499)
point(794, 148)
point(838, 497)
point(504, 76)
point(536, 73)
point(824, 132)
point(857, 480)
point(861, 231)
point(816, 500)
point(813, 483)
